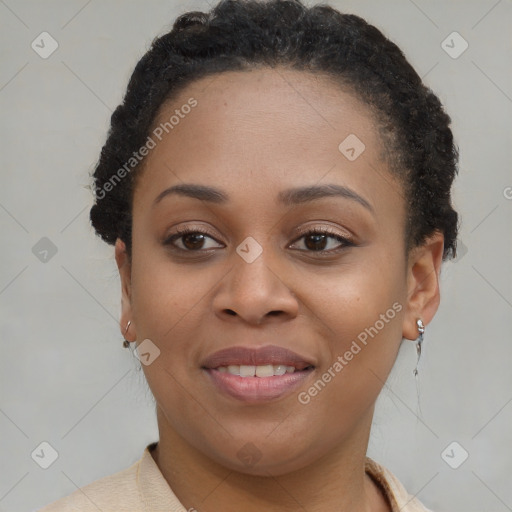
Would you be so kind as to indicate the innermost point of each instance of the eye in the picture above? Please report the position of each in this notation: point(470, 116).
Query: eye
point(319, 240)
point(322, 240)
point(191, 240)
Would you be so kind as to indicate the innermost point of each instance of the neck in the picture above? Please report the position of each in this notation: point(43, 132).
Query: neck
point(335, 482)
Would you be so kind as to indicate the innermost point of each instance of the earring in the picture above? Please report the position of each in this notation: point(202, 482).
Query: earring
point(126, 343)
point(419, 341)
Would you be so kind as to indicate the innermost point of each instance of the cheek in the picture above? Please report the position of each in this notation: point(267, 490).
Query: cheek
point(170, 308)
point(165, 295)
point(359, 314)
point(356, 298)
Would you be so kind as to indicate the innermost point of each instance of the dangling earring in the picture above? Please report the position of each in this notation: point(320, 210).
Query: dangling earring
point(126, 343)
point(419, 341)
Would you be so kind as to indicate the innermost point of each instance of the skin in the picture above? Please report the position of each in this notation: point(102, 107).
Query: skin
point(252, 135)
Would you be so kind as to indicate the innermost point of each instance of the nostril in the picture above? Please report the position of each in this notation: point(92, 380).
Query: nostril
point(230, 312)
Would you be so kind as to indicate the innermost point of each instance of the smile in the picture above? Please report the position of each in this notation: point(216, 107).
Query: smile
point(257, 375)
point(266, 370)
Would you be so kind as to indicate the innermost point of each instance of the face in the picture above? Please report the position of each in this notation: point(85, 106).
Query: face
point(293, 272)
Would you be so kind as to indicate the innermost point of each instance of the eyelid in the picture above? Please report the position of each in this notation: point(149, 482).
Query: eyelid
point(326, 230)
point(345, 240)
point(184, 230)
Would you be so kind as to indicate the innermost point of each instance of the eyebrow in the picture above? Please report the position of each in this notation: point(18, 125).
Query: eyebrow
point(287, 197)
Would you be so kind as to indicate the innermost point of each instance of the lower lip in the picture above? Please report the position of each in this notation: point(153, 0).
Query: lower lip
point(257, 389)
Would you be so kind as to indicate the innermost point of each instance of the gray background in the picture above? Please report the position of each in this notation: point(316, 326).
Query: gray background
point(65, 378)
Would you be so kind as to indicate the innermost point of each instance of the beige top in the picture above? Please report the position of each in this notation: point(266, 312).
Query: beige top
point(143, 488)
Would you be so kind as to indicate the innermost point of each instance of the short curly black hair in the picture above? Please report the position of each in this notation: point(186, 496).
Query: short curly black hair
point(238, 35)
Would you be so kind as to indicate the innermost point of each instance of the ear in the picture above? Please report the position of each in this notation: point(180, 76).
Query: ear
point(423, 270)
point(124, 267)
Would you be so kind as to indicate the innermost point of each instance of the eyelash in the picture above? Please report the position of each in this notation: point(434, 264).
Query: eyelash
point(316, 231)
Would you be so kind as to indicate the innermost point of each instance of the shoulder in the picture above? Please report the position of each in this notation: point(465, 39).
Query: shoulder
point(393, 489)
point(119, 490)
point(139, 487)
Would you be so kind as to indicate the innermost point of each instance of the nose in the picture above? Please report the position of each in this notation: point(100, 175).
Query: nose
point(255, 293)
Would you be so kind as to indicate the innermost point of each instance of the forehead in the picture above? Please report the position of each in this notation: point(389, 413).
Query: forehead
point(262, 129)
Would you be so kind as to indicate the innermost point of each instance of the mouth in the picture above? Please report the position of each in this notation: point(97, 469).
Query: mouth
point(261, 371)
point(257, 375)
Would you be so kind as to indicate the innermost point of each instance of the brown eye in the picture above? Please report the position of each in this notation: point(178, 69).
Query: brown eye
point(323, 241)
point(316, 242)
point(191, 240)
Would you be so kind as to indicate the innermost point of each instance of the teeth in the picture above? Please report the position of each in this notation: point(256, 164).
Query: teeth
point(247, 371)
point(267, 370)
point(264, 371)
point(280, 369)
point(234, 369)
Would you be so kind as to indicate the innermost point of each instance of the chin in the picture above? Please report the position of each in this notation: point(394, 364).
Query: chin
point(265, 459)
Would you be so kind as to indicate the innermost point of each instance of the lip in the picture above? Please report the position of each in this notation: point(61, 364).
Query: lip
point(257, 389)
point(269, 354)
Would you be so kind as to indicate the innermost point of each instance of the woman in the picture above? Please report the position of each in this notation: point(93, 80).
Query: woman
point(276, 184)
